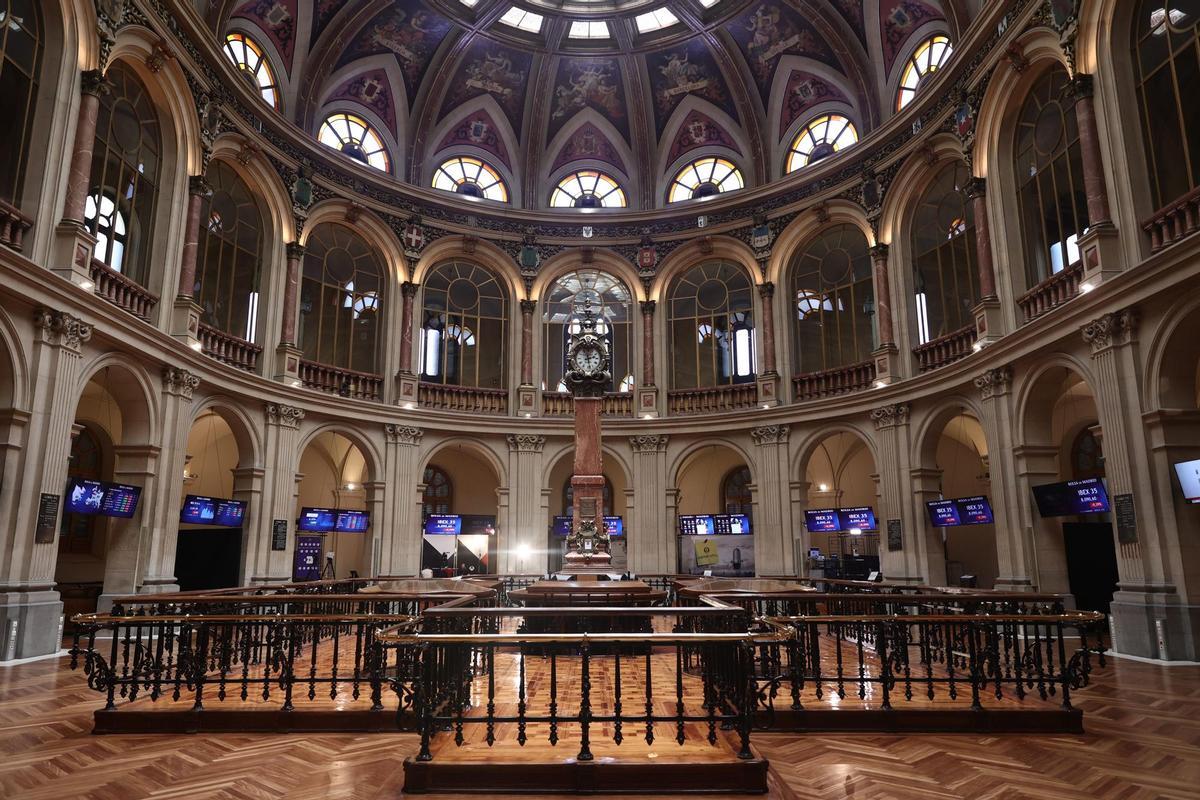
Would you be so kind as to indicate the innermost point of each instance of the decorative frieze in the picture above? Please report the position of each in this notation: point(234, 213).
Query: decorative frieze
point(179, 382)
point(403, 434)
point(526, 442)
point(284, 416)
point(61, 329)
point(1111, 330)
point(649, 443)
point(771, 434)
point(994, 382)
point(890, 416)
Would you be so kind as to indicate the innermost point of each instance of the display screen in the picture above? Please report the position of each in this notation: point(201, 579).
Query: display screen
point(315, 519)
point(814, 552)
point(963, 511)
point(1189, 479)
point(352, 521)
point(614, 526)
point(861, 518)
point(443, 524)
point(731, 524)
point(231, 513)
point(198, 510)
point(1086, 496)
point(823, 520)
point(105, 499)
point(477, 525)
point(695, 525)
point(561, 526)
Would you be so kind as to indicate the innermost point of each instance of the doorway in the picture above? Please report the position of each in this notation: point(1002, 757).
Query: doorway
point(208, 559)
point(1091, 564)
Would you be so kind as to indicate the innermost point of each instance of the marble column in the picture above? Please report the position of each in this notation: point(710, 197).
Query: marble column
point(1089, 150)
point(287, 356)
point(651, 527)
point(74, 245)
point(767, 292)
point(400, 524)
point(527, 393)
point(281, 440)
point(774, 551)
point(198, 190)
point(976, 191)
point(408, 291)
point(527, 522)
point(647, 308)
point(886, 355)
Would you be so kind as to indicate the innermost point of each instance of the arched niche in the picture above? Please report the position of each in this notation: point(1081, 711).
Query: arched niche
point(700, 478)
point(558, 501)
point(837, 470)
point(336, 472)
point(474, 477)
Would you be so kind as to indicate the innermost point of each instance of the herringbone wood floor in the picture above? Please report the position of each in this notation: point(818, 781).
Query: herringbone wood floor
point(1143, 741)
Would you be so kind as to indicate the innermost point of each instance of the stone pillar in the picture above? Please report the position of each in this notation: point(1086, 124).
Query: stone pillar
point(998, 419)
point(798, 498)
point(248, 483)
point(899, 555)
point(281, 452)
point(928, 555)
point(647, 391)
point(74, 245)
point(886, 355)
point(129, 540)
point(527, 521)
point(400, 523)
point(1036, 465)
point(407, 383)
point(651, 526)
point(527, 392)
point(989, 320)
point(27, 592)
point(287, 364)
point(774, 553)
point(768, 377)
point(1098, 245)
point(186, 320)
point(377, 503)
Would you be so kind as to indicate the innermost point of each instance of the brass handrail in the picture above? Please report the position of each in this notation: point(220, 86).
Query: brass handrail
point(150, 622)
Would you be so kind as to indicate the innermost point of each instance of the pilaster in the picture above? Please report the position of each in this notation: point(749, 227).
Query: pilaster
point(651, 524)
point(399, 525)
point(774, 552)
point(281, 443)
point(1013, 547)
point(895, 462)
point(526, 522)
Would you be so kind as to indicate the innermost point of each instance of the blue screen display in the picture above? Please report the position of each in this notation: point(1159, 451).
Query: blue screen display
point(962, 511)
point(861, 518)
point(1086, 496)
point(696, 525)
point(231, 513)
point(198, 510)
point(443, 524)
point(316, 519)
point(943, 513)
point(352, 521)
point(823, 520)
point(731, 524)
point(614, 526)
point(105, 499)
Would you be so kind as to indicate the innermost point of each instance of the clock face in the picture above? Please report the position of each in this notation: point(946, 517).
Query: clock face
point(588, 360)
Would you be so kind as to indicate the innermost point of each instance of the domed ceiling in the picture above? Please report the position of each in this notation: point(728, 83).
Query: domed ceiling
point(633, 88)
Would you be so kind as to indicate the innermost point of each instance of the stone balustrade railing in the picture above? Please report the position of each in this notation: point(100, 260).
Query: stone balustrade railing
point(121, 291)
point(561, 404)
point(13, 225)
point(339, 381)
point(946, 349)
point(1170, 224)
point(1052, 292)
point(832, 382)
point(463, 398)
point(715, 399)
point(228, 349)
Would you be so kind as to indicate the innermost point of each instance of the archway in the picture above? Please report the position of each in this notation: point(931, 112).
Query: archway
point(715, 532)
point(558, 496)
point(956, 449)
point(839, 473)
point(460, 498)
point(334, 476)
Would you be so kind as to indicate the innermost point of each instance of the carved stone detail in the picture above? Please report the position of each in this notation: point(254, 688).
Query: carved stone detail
point(62, 329)
point(890, 416)
point(284, 415)
point(403, 434)
point(179, 381)
point(526, 442)
point(771, 434)
point(994, 382)
point(1111, 330)
point(649, 443)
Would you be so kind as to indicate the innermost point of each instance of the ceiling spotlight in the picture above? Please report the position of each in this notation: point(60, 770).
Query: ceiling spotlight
point(822, 487)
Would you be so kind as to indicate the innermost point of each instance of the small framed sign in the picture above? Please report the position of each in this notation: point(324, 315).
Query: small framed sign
point(279, 533)
point(895, 537)
point(1125, 517)
point(47, 519)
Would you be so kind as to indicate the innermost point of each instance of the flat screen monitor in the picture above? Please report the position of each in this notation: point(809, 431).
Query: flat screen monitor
point(822, 520)
point(231, 513)
point(477, 525)
point(1188, 473)
point(814, 552)
point(1071, 497)
point(962, 511)
point(861, 518)
point(731, 524)
point(316, 520)
point(561, 526)
point(695, 525)
point(352, 521)
point(105, 499)
point(614, 526)
point(943, 513)
point(198, 510)
point(443, 524)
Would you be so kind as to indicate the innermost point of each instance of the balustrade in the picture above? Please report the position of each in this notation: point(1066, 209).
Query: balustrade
point(832, 382)
point(946, 349)
point(227, 348)
point(463, 398)
point(1052, 292)
point(121, 291)
point(1174, 222)
point(13, 226)
point(562, 404)
point(715, 399)
point(344, 382)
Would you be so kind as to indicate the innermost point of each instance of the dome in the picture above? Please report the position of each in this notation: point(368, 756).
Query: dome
point(511, 101)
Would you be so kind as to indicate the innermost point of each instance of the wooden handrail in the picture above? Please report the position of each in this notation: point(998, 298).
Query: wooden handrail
point(1174, 221)
point(712, 399)
point(462, 398)
point(946, 349)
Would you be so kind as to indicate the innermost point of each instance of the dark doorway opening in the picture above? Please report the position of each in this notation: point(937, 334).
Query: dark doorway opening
point(208, 559)
point(1091, 563)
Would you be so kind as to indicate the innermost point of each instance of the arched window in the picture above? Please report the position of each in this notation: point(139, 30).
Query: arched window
point(230, 254)
point(1166, 57)
point(587, 188)
point(735, 491)
point(119, 210)
point(20, 61)
point(253, 65)
point(928, 58)
point(471, 177)
point(1087, 455)
point(704, 178)
point(568, 498)
point(1050, 178)
point(945, 272)
point(438, 495)
point(613, 301)
point(821, 138)
point(353, 136)
point(711, 319)
point(341, 300)
point(834, 300)
point(464, 333)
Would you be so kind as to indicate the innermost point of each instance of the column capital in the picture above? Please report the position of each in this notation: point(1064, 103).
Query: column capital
point(525, 442)
point(994, 382)
point(284, 416)
point(94, 82)
point(766, 290)
point(61, 329)
point(649, 443)
point(528, 307)
point(403, 434)
point(198, 186)
point(1111, 330)
point(409, 289)
point(879, 252)
point(771, 434)
point(647, 307)
point(975, 188)
point(1082, 86)
point(179, 382)
point(295, 250)
point(890, 416)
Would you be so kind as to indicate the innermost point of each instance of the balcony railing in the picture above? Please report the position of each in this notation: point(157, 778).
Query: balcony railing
point(561, 404)
point(228, 349)
point(717, 398)
point(344, 382)
point(1052, 292)
point(13, 225)
point(463, 398)
point(832, 382)
point(121, 291)
point(946, 349)
point(1174, 222)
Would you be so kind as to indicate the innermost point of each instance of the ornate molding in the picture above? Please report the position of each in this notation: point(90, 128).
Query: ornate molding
point(403, 434)
point(179, 381)
point(649, 443)
point(409, 289)
point(771, 434)
point(647, 307)
point(994, 382)
point(528, 307)
point(284, 416)
point(526, 442)
point(1111, 330)
point(62, 329)
point(890, 416)
point(295, 250)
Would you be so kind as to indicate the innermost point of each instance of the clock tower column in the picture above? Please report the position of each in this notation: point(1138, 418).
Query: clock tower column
point(588, 375)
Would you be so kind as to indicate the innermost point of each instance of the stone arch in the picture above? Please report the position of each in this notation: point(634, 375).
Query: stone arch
point(933, 423)
point(602, 259)
point(666, 171)
point(1037, 395)
point(428, 153)
point(481, 451)
point(393, 146)
point(810, 443)
point(136, 397)
point(246, 432)
point(697, 251)
point(14, 369)
point(372, 458)
point(264, 182)
point(279, 69)
point(688, 456)
point(484, 253)
point(366, 225)
point(626, 173)
point(782, 139)
point(807, 225)
point(1172, 379)
point(891, 83)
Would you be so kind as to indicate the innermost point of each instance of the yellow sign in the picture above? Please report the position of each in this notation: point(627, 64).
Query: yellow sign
point(706, 553)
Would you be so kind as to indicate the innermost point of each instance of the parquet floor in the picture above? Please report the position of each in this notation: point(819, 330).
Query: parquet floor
point(1142, 742)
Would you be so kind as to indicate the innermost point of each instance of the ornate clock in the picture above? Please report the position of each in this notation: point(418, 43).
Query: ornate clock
point(588, 372)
